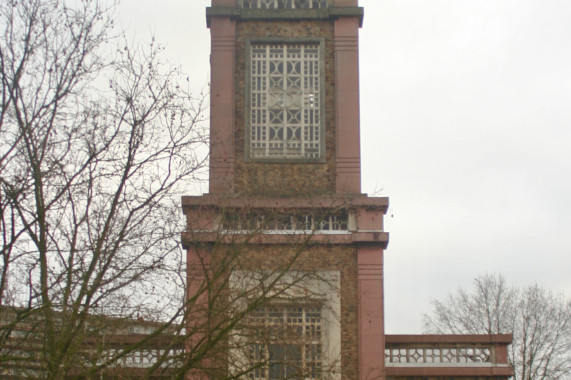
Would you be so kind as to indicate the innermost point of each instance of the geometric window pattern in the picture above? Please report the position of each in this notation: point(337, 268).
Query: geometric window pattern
point(443, 355)
point(289, 344)
point(284, 4)
point(285, 88)
point(252, 221)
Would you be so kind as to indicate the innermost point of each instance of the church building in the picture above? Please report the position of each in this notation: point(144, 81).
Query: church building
point(285, 233)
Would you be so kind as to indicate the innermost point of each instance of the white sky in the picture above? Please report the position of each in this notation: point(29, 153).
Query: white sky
point(465, 125)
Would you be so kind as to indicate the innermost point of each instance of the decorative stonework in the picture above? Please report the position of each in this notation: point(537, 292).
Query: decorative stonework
point(239, 13)
point(283, 4)
point(305, 222)
point(285, 101)
point(430, 355)
point(276, 178)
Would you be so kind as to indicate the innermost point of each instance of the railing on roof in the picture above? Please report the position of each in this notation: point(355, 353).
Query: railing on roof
point(447, 356)
point(21, 359)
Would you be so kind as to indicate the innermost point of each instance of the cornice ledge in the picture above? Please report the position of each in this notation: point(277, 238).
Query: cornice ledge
point(336, 12)
point(222, 201)
point(284, 14)
point(231, 12)
point(192, 238)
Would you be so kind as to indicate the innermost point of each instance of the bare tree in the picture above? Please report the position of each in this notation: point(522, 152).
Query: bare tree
point(98, 141)
point(539, 320)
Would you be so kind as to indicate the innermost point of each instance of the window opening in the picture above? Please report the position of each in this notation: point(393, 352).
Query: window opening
point(288, 343)
point(294, 221)
point(284, 4)
point(285, 91)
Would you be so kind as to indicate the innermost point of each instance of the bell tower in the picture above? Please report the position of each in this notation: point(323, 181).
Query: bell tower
point(285, 167)
point(298, 105)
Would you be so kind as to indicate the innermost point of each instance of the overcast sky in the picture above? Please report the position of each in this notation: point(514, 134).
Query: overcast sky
point(465, 125)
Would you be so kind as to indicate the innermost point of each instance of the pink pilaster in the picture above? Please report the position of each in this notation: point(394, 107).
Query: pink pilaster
point(371, 319)
point(223, 34)
point(198, 264)
point(348, 157)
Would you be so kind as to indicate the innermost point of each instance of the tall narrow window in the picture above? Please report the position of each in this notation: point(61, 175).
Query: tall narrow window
point(285, 101)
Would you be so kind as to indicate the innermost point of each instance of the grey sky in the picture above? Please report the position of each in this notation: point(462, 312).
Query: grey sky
point(465, 125)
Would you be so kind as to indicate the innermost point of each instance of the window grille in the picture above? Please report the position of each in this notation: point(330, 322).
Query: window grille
point(438, 355)
point(289, 342)
point(285, 99)
point(253, 221)
point(284, 4)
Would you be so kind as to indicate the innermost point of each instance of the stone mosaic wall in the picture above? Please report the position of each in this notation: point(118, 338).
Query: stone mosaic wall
point(284, 179)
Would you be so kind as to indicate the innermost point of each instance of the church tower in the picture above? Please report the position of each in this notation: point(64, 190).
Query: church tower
point(285, 186)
